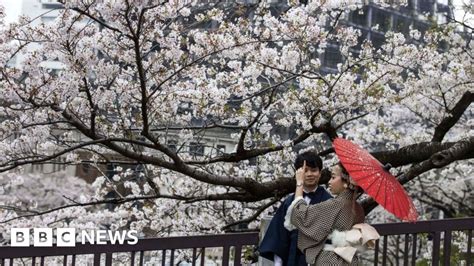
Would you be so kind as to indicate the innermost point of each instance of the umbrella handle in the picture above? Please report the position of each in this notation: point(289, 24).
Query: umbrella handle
point(387, 167)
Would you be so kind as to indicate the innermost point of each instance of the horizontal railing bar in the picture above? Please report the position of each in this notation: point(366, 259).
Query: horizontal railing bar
point(145, 244)
point(425, 226)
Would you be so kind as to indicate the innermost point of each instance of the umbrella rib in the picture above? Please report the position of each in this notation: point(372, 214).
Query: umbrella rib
point(373, 183)
point(396, 204)
point(365, 171)
point(347, 154)
point(406, 200)
point(385, 196)
point(397, 208)
point(356, 162)
point(378, 191)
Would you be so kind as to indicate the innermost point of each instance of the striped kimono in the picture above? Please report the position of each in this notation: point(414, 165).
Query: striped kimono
point(316, 222)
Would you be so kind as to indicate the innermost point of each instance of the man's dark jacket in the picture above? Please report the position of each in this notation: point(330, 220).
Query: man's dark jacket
point(279, 241)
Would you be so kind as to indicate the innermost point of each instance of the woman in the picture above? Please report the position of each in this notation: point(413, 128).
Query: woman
point(319, 224)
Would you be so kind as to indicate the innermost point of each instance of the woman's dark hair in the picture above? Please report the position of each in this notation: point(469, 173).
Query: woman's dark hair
point(345, 175)
point(312, 160)
point(356, 190)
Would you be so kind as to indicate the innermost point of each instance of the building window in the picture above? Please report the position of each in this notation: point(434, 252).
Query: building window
point(332, 57)
point(184, 108)
point(59, 164)
point(172, 145)
point(401, 24)
point(359, 17)
point(220, 149)
point(425, 6)
point(361, 39)
point(381, 18)
point(86, 167)
point(411, 4)
point(38, 167)
point(196, 149)
point(54, 71)
point(50, 4)
point(421, 26)
point(47, 20)
point(377, 39)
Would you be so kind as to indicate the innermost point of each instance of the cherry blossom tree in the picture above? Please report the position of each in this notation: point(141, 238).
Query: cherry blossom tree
point(141, 81)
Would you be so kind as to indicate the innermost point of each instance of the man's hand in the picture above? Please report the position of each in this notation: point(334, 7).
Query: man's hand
point(300, 173)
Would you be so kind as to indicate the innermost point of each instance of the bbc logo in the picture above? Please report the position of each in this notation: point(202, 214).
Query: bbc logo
point(43, 237)
point(66, 237)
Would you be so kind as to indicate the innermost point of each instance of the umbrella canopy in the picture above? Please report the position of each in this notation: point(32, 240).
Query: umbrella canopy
point(375, 180)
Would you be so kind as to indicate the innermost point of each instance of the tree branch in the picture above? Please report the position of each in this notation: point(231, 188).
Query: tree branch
point(253, 217)
point(453, 116)
point(115, 201)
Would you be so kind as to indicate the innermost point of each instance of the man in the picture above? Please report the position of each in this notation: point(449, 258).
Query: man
point(279, 244)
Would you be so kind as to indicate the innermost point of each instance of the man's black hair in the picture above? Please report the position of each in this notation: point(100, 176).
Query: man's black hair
point(312, 160)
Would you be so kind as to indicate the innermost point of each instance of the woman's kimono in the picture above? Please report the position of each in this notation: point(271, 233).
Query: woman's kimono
point(316, 222)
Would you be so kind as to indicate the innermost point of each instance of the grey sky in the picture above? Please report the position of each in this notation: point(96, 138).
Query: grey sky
point(12, 9)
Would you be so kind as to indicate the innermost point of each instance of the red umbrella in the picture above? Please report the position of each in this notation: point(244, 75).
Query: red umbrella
point(375, 180)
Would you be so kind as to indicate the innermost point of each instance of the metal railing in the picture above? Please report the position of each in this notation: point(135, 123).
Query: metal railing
point(400, 244)
point(164, 253)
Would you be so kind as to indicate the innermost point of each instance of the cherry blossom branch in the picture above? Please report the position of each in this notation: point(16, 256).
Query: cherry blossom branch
point(453, 116)
point(240, 144)
point(115, 201)
point(448, 17)
point(100, 21)
point(15, 163)
point(446, 206)
point(252, 217)
point(182, 68)
point(119, 201)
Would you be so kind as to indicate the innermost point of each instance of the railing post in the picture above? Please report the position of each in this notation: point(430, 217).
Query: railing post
point(132, 258)
point(194, 257)
point(163, 257)
point(237, 254)
point(108, 259)
point(469, 246)
point(97, 259)
point(203, 256)
point(436, 248)
point(172, 257)
point(225, 256)
point(141, 258)
point(406, 250)
point(447, 248)
point(384, 251)
point(413, 251)
point(397, 251)
point(376, 255)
